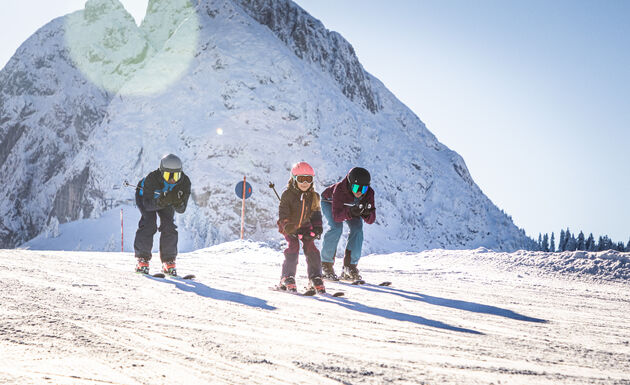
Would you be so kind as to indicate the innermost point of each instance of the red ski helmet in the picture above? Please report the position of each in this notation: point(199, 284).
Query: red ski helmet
point(302, 168)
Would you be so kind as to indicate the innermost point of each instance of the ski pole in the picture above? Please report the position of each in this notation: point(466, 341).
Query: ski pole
point(127, 184)
point(272, 186)
point(369, 205)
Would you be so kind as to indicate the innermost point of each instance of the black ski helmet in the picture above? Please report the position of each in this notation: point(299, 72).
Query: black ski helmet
point(360, 176)
point(171, 163)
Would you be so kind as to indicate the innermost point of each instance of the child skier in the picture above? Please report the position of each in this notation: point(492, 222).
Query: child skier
point(161, 193)
point(300, 218)
point(352, 201)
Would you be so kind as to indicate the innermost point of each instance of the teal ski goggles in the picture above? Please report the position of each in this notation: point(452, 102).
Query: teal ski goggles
point(357, 187)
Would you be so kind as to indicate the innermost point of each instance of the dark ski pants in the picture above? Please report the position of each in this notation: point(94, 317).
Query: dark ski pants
point(147, 227)
point(331, 237)
point(291, 253)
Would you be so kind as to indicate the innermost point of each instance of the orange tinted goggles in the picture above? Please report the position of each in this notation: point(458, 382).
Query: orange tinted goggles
point(171, 175)
point(304, 178)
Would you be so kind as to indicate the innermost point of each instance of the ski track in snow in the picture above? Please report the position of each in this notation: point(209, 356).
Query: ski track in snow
point(450, 317)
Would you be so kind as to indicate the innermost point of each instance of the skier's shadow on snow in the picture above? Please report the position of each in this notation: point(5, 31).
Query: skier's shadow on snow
point(218, 294)
point(356, 306)
point(452, 303)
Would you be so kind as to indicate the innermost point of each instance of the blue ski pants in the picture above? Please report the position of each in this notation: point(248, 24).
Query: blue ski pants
point(331, 237)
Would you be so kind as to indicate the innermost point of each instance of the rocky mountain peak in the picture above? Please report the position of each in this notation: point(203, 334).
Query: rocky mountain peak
point(311, 41)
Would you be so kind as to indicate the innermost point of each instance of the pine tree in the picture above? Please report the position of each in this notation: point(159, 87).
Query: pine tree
point(604, 243)
point(552, 247)
point(628, 246)
point(581, 245)
point(539, 241)
point(571, 243)
point(567, 238)
point(620, 247)
point(545, 243)
point(590, 243)
point(561, 242)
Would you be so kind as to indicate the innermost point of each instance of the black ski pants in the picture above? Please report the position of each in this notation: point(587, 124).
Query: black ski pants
point(147, 227)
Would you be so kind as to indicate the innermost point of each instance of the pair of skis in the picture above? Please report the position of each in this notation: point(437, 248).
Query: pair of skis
point(307, 293)
point(362, 282)
point(312, 292)
point(162, 275)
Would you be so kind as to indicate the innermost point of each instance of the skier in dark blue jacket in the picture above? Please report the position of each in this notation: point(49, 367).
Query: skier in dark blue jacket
point(161, 193)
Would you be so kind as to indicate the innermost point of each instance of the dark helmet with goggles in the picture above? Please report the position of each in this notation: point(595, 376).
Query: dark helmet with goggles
point(359, 180)
point(171, 167)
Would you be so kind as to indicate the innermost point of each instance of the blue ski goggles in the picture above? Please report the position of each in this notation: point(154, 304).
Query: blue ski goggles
point(357, 187)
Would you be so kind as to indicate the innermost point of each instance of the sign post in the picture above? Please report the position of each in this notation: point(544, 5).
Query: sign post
point(122, 248)
point(243, 190)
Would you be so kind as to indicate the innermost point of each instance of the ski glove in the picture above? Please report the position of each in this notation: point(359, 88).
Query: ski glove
point(307, 234)
point(368, 211)
point(355, 211)
point(168, 198)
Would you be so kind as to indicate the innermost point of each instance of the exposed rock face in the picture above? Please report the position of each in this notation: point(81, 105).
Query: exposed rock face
point(47, 112)
point(310, 40)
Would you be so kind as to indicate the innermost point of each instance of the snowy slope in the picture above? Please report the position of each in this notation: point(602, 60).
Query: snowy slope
point(101, 234)
point(280, 88)
point(451, 317)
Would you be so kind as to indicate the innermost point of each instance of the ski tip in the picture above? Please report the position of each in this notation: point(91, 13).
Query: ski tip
point(309, 293)
point(278, 288)
point(386, 283)
point(339, 294)
point(189, 276)
point(358, 282)
point(159, 275)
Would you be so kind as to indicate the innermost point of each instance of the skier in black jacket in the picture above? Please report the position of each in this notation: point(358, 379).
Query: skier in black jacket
point(160, 193)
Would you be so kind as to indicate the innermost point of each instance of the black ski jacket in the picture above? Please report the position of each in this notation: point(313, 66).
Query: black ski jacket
point(151, 187)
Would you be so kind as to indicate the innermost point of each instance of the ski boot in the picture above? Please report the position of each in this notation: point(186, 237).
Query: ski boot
point(168, 268)
point(317, 284)
point(329, 272)
point(288, 284)
point(350, 273)
point(142, 266)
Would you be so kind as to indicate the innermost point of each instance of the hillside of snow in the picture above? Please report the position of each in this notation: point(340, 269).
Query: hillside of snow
point(450, 317)
point(235, 88)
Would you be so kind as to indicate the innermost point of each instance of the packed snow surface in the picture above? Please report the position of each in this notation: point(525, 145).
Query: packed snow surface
point(465, 317)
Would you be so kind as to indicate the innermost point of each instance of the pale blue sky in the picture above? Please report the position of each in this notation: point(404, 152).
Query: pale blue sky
point(535, 95)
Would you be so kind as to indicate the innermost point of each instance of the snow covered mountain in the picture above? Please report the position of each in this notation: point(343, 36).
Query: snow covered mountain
point(235, 88)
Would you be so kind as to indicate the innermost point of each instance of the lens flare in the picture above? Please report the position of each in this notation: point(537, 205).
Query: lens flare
point(112, 52)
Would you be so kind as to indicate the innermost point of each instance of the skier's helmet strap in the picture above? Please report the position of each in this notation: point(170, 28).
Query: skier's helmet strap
point(171, 163)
